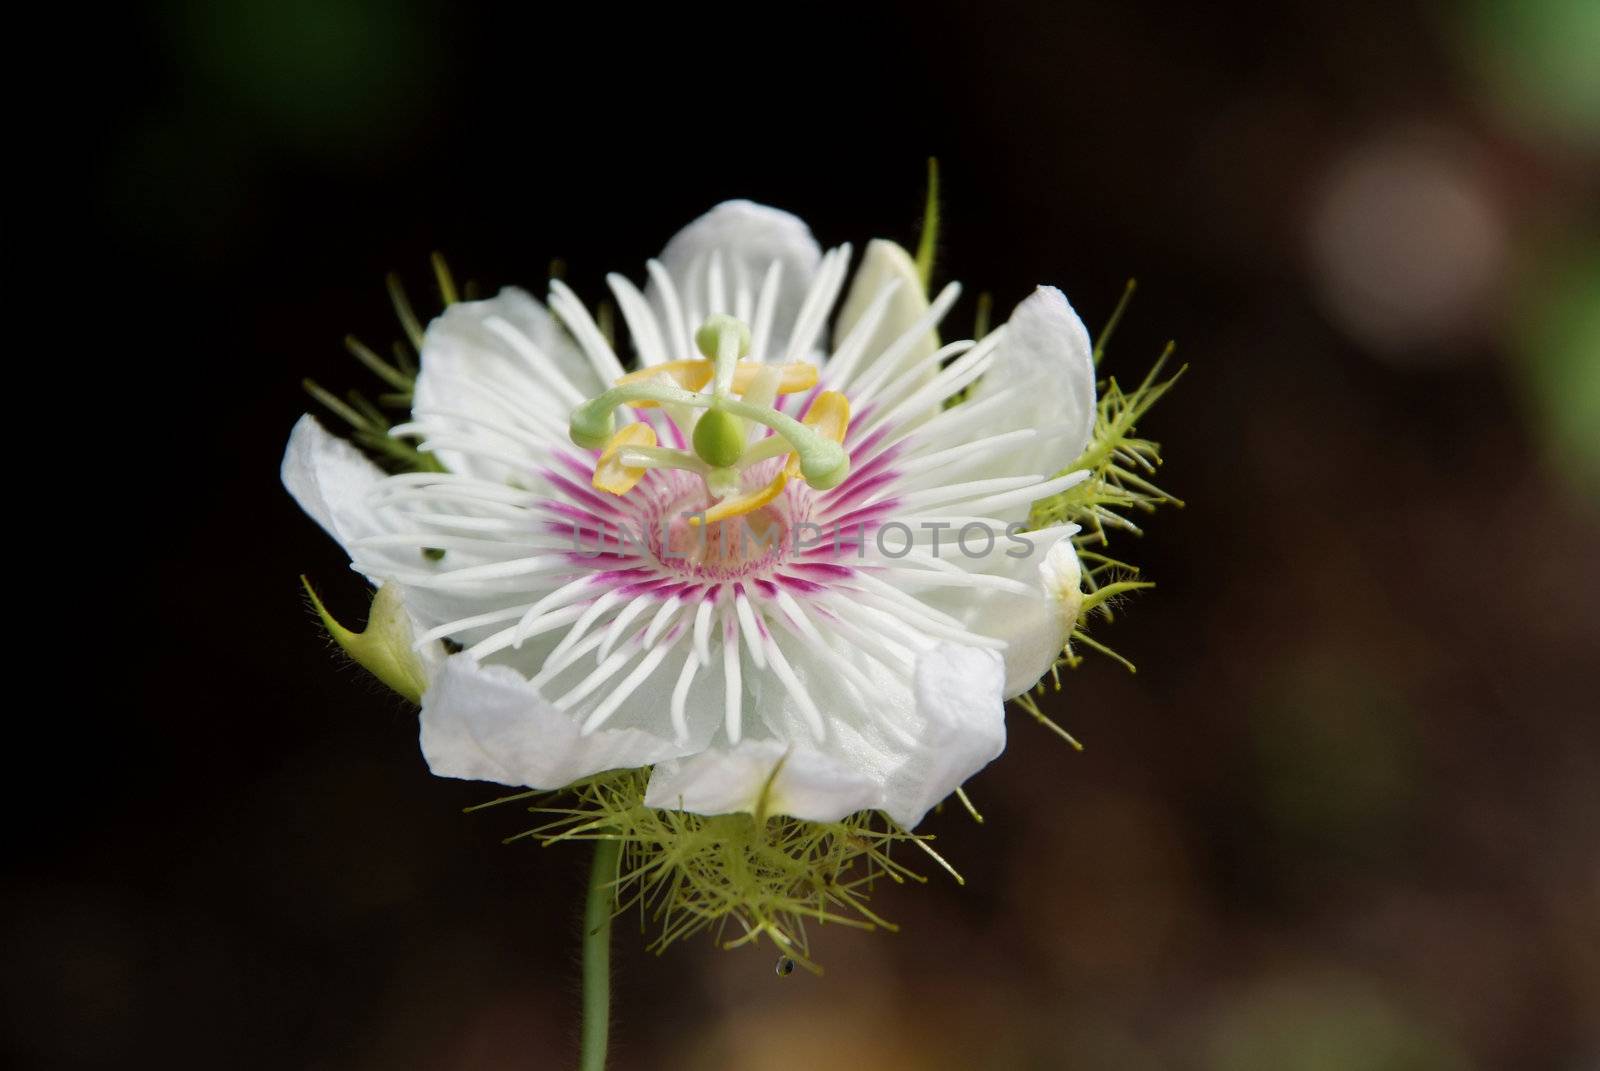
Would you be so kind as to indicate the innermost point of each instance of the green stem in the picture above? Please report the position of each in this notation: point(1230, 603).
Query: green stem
point(597, 955)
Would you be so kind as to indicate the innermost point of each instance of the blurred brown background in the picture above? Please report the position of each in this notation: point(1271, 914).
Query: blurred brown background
point(1345, 815)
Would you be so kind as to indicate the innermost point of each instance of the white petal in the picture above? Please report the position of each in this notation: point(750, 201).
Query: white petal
point(916, 737)
point(749, 237)
point(1036, 625)
point(487, 723)
point(505, 360)
point(808, 784)
point(957, 692)
point(333, 481)
point(1045, 367)
point(330, 479)
point(920, 736)
point(882, 263)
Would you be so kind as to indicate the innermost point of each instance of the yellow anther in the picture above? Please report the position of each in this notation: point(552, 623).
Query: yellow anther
point(694, 375)
point(748, 502)
point(793, 377)
point(829, 415)
point(610, 474)
point(690, 375)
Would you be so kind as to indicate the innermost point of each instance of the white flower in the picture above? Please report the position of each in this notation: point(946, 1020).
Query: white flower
point(816, 680)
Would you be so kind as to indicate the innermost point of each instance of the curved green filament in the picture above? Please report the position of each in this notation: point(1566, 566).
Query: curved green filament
point(823, 462)
point(591, 426)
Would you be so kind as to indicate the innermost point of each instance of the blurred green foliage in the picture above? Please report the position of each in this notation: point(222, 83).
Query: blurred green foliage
point(1557, 337)
point(1541, 62)
point(1334, 757)
point(322, 75)
point(1325, 1024)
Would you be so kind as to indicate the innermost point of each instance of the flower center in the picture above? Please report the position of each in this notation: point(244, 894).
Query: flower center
point(724, 407)
point(750, 544)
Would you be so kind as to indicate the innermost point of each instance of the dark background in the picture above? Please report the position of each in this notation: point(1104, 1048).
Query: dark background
point(1345, 815)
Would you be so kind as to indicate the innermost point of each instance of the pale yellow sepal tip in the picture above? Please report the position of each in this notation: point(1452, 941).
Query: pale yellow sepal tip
point(610, 474)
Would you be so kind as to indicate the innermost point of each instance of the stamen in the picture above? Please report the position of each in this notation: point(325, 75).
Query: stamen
point(829, 416)
point(611, 472)
point(739, 505)
point(741, 395)
point(823, 462)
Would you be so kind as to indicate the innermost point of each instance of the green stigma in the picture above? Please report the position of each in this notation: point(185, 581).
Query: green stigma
point(722, 338)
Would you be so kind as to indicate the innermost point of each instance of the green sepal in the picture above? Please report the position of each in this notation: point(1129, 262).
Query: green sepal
point(383, 648)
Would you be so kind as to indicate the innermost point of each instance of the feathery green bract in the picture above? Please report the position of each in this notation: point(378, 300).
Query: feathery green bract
point(745, 876)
